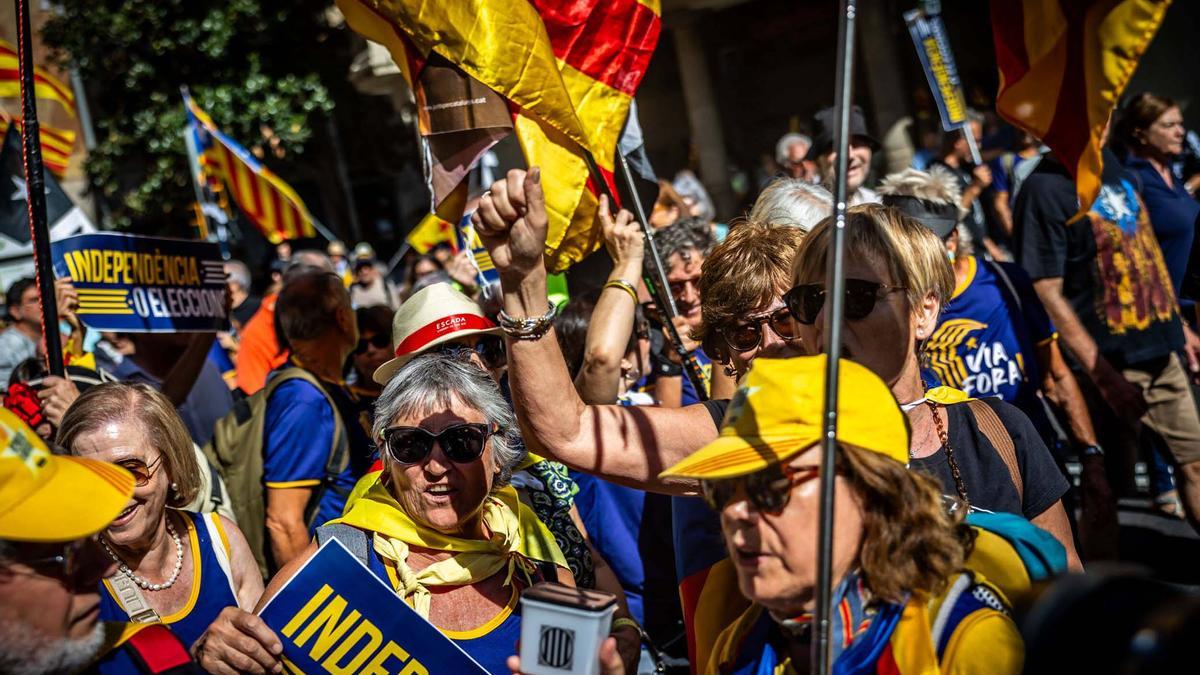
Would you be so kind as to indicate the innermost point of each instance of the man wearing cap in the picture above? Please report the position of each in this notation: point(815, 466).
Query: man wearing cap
point(994, 338)
point(370, 287)
point(862, 146)
point(51, 507)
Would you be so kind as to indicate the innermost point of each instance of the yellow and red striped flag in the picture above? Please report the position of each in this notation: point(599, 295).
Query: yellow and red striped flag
point(271, 204)
point(57, 145)
point(1063, 66)
point(45, 85)
point(569, 70)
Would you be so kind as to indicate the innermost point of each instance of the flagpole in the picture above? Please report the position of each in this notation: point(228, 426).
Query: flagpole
point(35, 191)
point(834, 285)
point(656, 278)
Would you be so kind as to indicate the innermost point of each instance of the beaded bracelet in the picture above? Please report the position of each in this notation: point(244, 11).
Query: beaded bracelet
point(530, 328)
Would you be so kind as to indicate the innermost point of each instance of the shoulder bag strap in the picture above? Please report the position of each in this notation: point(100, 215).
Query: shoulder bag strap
point(160, 651)
point(354, 539)
point(998, 270)
point(993, 429)
point(130, 597)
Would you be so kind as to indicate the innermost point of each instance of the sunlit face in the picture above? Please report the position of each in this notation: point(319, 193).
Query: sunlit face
point(882, 341)
point(442, 494)
point(683, 273)
point(770, 346)
point(856, 171)
point(775, 554)
point(1165, 136)
point(125, 442)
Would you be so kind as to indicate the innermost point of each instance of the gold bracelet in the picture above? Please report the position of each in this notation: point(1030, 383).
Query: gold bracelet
point(624, 622)
point(625, 286)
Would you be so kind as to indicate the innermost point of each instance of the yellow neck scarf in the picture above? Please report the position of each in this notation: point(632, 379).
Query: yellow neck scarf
point(518, 541)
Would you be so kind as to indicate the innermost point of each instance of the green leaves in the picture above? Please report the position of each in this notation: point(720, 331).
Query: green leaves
point(254, 65)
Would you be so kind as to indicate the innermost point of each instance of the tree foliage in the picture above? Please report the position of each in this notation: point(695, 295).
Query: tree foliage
point(260, 68)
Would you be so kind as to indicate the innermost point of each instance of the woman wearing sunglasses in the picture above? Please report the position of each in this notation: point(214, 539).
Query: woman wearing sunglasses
point(444, 529)
point(895, 545)
point(173, 566)
point(373, 350)
point(897, 281)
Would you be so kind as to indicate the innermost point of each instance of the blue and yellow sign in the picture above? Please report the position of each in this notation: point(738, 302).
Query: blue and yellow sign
point(335, 616)
point(933, 47)
point(136, 284)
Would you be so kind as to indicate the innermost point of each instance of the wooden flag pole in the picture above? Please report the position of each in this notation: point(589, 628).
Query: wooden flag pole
point(35, 192)
point(834, 310)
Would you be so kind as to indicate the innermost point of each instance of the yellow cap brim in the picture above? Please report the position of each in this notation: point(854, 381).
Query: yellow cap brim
point(81, 498)
point(733, 456)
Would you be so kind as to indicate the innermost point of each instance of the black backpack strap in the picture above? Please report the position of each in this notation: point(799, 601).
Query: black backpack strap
point(998, 270)
point(354, 539)
point(217, 493)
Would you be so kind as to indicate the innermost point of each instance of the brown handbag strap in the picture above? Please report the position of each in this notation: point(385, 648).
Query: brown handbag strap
point(993, 429)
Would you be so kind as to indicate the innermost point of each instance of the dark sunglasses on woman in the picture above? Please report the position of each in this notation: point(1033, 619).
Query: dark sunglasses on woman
point(490, 349)
point(746, 336)
point(768, 490)
point(806, 300)
point(461, 443)
point(378, 341)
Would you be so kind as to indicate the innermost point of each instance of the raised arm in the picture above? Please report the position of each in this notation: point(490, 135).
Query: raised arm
point(627, 445)
point(599, 378)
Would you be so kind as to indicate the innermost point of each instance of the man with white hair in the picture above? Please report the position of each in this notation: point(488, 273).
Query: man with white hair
point(244, 303)
point(792, 202)
point(791, 155)
point(994, 338)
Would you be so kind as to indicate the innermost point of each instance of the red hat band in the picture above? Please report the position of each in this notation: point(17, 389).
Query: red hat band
point(420, 338)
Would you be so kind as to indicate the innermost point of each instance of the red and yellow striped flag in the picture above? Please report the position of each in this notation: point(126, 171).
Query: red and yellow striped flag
point(1063, 66)
point(271, 204)
point(45, 85)
point(57, 145)
point(568, 68)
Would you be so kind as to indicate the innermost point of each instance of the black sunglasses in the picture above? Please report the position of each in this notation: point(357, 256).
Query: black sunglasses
point(378, 341)
point(806, 300)
point(461, 443)
point(768, 490)
point(746, 336)
point(490, 349)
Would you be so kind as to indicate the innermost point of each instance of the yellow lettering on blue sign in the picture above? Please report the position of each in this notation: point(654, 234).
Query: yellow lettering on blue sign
point(362, 649)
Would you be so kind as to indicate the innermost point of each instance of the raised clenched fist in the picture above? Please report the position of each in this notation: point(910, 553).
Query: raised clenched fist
point(511, 222)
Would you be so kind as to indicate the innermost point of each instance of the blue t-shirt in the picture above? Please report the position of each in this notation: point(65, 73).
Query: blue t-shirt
point(1174, 215)
point(1003, 172)
point(987, 338)
point(297, 437)
point(689, 392)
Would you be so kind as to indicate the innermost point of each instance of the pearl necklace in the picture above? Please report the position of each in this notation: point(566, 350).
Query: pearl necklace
point(124, 569)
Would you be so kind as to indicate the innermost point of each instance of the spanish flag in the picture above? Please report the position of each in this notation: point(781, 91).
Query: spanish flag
point(271, 204)
point(568, 69)
point(1063, 66)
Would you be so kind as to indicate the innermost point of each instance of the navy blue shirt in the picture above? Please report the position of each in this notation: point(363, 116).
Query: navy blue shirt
point(1173, 215)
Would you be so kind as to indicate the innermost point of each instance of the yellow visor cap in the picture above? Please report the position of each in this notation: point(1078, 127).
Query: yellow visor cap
point(49, 498)
point(778, 410)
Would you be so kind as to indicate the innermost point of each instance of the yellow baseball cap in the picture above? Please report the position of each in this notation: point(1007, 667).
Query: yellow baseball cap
point(50, 498)
point(777, 412)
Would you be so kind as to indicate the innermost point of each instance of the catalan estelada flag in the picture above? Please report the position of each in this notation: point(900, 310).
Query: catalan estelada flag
point(1063, 66)
point(57, 145)
point(568, 68)
point(271, 204)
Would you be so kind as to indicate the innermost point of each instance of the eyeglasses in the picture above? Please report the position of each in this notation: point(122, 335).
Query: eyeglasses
point(806, 300)
point(66, 565)
point(768, 490)
point(461, 443)
point(142, 472)
point(490, 349)
point(746, 336)
point(378, 341)
point(678, 288)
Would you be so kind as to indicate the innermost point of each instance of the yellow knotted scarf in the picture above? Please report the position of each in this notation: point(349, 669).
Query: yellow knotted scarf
point(518, 540)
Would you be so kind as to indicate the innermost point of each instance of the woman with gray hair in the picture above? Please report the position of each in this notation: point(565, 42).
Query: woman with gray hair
point(440, 525)
point(792, 202)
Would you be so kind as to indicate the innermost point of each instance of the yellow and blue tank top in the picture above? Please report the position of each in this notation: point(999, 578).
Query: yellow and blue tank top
point(212, 581)
point(490, 644)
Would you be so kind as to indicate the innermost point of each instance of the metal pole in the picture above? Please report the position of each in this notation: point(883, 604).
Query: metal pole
point(656, 278)
point(969, 133)
point(834, 298)
point(35, 190)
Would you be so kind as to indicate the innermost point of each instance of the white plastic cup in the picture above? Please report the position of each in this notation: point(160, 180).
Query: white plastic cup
point(562, 629)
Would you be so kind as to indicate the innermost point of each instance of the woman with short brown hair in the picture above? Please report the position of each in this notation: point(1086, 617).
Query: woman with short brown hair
point(174, 566)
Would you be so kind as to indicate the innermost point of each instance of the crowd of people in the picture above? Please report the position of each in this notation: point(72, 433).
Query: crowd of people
point(466, 443)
